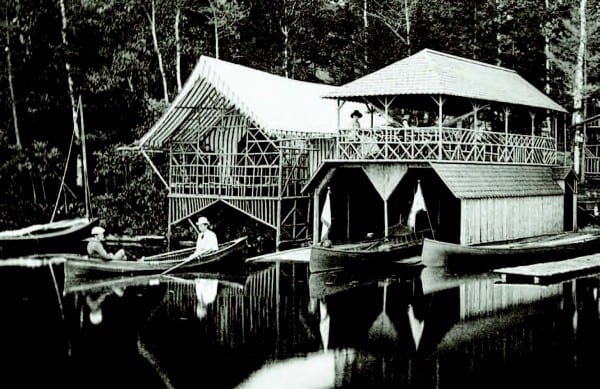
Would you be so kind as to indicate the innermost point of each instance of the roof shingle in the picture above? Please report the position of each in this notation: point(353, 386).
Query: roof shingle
point(430, 72)
point(477, 181)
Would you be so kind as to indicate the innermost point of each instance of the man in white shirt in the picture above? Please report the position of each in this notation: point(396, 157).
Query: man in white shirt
point(207, 240)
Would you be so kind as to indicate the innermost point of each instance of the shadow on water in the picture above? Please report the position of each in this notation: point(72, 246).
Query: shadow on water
point(279, 326)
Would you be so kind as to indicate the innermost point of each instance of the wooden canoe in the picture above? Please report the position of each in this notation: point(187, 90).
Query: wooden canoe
point(373, 254)
point(229, 256)
point(483, 257)
point(55, 237)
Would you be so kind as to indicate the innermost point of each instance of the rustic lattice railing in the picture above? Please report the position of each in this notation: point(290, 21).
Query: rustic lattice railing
point(449, 144)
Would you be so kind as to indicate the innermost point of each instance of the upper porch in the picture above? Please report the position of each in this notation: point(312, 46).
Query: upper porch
point(443, 144)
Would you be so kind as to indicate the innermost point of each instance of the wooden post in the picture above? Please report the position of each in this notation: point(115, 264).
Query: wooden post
point(279, 197)
point(385, 217)
point(506, 113)
point(440, 103)
point(532, 115)
point(316, 210)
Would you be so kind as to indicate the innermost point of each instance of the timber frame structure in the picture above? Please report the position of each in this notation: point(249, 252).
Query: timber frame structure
point(268, 147)
point(245, 138)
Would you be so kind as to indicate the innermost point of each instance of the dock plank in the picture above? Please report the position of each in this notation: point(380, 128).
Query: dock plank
point(550, 272)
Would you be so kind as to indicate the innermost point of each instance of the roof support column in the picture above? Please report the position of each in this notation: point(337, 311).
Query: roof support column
point(506, 114)
point(440, 103)
point(476, 108)
point(532, 116)
point(387, 103)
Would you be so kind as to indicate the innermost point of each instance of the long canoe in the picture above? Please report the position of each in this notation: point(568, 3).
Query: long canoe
point(373, 254)
point(229, 256)
point(481, 257)
point(46, 238)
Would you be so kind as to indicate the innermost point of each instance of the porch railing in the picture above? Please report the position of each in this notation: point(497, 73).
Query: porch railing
point(592, 160)
point(449, 144)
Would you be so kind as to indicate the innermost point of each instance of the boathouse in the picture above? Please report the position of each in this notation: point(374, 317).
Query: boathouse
point(246, 139)
point(479, 139)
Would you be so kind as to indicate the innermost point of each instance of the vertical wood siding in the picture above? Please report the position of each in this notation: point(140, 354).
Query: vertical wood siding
point(495, 219)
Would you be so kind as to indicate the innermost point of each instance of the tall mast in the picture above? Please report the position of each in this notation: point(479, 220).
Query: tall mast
point(86, 183)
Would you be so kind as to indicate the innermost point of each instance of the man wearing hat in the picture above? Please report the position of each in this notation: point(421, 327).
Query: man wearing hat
point(207, 240)
point(95, 248)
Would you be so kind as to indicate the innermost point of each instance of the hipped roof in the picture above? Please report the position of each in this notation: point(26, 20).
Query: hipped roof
point(477, 181)
point(270, 102)
point(430, 72)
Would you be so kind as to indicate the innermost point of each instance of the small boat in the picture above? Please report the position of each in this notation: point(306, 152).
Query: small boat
point(391, 252)
point(46, 238)
point(481, 257)
point(229, 256)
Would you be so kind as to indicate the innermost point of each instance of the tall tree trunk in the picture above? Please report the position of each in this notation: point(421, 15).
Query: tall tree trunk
point(578, 87)
point(13, 100)
point(546, 31)
point(407, 21)
point(178, 48)
point(161, 68)
point(365, 37)
point(63, 14)
point(285, 29)
point(215, 20)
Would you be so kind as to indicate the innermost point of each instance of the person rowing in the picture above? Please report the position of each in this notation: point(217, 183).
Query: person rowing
point(95, 248)
point(207, 239)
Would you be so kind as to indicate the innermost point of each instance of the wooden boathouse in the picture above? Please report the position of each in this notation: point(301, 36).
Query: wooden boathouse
point(480, 140)
point(246, 139)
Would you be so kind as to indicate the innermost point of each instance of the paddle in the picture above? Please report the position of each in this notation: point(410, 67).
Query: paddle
point(177, 266)
point(382, 328)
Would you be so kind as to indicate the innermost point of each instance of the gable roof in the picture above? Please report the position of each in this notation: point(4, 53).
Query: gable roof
point(270, 102)
point(430, 72)
point(477, 181)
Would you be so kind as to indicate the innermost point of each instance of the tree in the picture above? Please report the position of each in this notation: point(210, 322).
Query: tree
point(397, 16)
point(10, 75)
point(576, 54)
point(223, 15)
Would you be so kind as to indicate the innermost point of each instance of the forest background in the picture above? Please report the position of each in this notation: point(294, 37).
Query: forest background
point(127, 59)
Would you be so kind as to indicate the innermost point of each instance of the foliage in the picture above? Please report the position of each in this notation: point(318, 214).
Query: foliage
point(115, 71)
point(128, 198)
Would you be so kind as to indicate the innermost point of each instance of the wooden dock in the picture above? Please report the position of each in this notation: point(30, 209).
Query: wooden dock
point(300, 255)
point(551, 272)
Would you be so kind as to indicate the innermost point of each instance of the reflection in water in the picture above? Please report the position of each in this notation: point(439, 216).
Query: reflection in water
point(206, 292)
point(282, 325)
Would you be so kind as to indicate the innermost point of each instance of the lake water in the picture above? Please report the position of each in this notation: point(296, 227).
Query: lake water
point(280, 327)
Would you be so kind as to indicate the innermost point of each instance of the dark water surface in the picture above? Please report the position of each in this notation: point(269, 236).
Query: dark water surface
point(280, 327)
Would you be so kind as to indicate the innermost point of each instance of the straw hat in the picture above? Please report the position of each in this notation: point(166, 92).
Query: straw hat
point(97, 230)
point(202, 220)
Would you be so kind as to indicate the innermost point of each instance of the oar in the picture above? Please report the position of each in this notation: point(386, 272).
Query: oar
point(179, 264)
point(383, 328)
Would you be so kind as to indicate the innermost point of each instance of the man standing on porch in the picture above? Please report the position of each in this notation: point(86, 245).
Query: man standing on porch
point(207, 240)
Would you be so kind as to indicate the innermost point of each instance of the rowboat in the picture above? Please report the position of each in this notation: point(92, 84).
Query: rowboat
point(229, 256)
point(370, 254)
point(482, 257)
point(46, 238)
